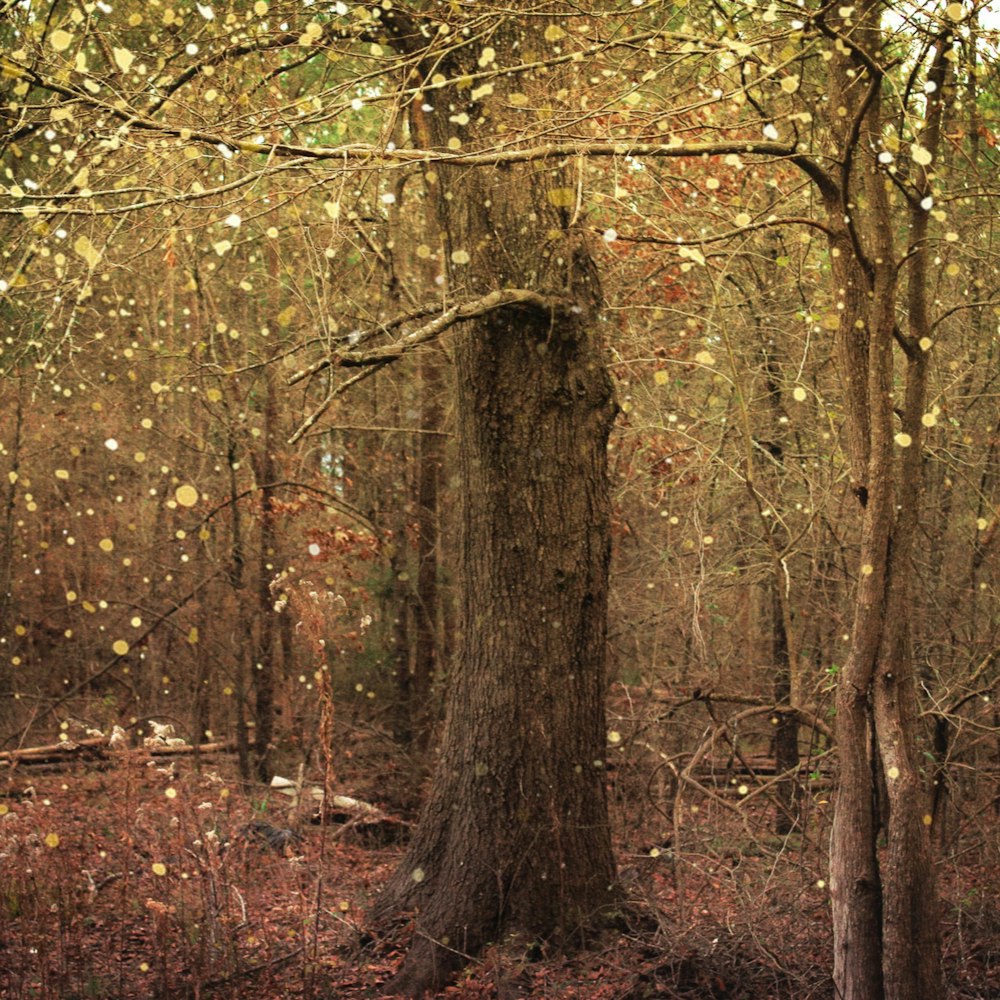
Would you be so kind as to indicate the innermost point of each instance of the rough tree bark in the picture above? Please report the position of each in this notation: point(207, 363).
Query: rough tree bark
point(886, 934)
point(515, 837)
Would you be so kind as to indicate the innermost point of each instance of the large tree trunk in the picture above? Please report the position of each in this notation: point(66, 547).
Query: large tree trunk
point(515, 834)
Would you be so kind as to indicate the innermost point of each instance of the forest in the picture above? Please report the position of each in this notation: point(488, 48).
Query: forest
point(499, 499)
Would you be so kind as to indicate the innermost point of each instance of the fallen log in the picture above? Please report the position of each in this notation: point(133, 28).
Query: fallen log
point(93, 747)
point(749, 766)
point(101, 748)
point(228, 746)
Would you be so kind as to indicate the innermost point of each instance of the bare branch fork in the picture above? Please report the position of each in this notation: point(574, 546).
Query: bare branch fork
point(371, 361)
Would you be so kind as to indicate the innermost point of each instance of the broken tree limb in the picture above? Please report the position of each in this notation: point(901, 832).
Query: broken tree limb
point(99, 748)
point(371, 361)
point(55, 751)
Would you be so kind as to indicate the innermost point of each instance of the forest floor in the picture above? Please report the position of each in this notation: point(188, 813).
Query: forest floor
point(139, 880)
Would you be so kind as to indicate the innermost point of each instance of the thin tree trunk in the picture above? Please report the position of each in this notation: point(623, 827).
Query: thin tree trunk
point(262, 665)
point(430, 457)
point(786, 731)
point(885, 921)
point(9, 505)
point(396, 607)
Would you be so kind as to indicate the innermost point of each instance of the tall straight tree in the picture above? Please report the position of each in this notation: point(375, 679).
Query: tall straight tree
point(886, 932)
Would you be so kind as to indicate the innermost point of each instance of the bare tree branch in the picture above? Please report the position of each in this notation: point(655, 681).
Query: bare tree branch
point(456, 314)
point(372, 361)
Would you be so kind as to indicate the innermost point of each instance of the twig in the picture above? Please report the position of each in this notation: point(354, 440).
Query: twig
point(252, 970)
